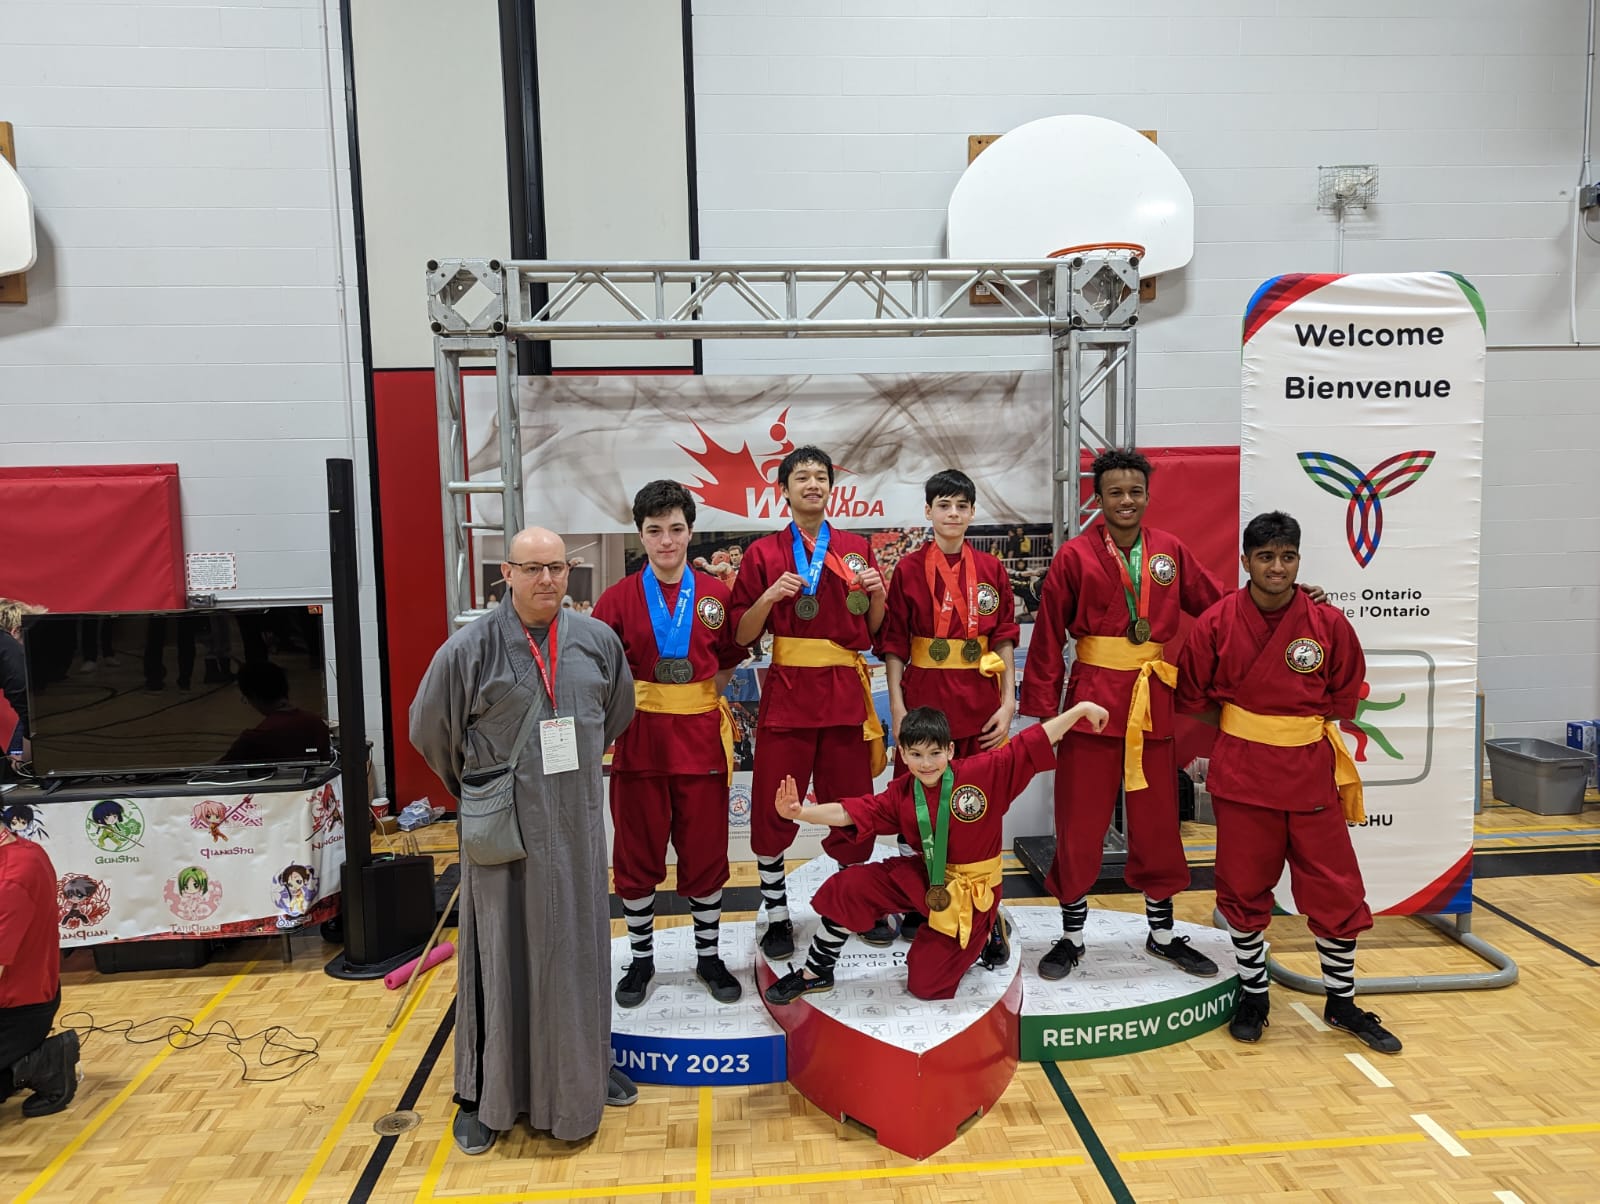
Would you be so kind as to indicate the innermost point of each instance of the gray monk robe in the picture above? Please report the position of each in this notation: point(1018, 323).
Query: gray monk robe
point(533, 999)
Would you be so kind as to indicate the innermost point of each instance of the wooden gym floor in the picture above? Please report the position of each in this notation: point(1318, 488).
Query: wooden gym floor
point(1496, 1097)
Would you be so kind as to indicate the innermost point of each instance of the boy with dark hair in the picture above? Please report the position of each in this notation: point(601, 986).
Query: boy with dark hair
point(950, 812)
point(671, 768)
point(820, 594)
point(1277, 671)
point(1119, 590)
point(950, 631)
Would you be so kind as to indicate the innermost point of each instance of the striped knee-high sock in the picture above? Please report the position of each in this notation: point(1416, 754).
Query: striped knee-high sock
point(774, 896)
point(825, 947)
point(1338, 960)
point(1250, 951)
point(1159, 914)
point(641, 917)
point(707, 913)
point(1074, 916)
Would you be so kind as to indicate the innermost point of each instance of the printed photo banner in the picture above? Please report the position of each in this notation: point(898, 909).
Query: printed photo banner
point(1363, 418)
point(197, 865)
point(589, 443)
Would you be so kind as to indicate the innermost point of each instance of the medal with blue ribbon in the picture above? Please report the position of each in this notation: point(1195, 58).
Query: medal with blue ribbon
point(671, 632)
point(808, 564)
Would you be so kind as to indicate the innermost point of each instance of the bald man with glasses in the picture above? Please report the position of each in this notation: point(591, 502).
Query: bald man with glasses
point(529, 697)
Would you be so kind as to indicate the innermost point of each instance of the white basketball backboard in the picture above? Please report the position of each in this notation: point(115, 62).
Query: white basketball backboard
point(1070, 180)
point(17, 247)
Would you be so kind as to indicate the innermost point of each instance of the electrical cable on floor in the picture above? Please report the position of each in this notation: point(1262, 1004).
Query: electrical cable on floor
point(180, 1033)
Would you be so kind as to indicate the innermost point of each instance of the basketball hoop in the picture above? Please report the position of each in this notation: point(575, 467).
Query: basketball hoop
point(1133, 248)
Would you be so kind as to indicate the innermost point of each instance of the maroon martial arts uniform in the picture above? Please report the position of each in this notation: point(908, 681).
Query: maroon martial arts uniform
point(1083, 596)
point(985, 786)
point(669, 774)
point(966, 696)
point(810, 723)
point(1275, 804)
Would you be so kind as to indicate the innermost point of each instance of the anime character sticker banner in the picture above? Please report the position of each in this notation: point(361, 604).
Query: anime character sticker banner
point(590, 442)
point(1363, 418)
point(187, 866)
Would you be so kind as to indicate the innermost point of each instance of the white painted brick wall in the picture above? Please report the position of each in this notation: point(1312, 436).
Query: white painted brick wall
point(186, 305)
point(836, 129)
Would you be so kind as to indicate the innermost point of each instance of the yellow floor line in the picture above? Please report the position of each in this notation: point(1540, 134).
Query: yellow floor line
point(702, 1152)
point(682, 1187)
point(1528, 1131)
point(342, 1121)
point(1590, 878)
point(1272, 1147)
point(897, 1172)
point(121, 1097)
point(430, 1178)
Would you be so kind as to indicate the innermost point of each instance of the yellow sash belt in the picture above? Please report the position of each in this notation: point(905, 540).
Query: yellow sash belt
point(691, 698)
point(971, 887)
point(989, 664)
point(1296, 731)
point(801, 652)
point(1116, 652)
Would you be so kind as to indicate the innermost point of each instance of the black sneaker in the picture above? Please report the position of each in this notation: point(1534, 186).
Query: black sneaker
point(795, 984)
point(52, 1072)
point(1185, 956)
point(635, 984)
point(1343, 1014)
point(997, 949)
point(1249, 1017)
point(724, 987)
point(620, 1091)
point(777, 942)
point(1058, 963)
point(881, 935)
point(909, 923)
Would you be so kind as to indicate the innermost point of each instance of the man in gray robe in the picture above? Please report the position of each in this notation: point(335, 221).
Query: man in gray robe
point(533, 997)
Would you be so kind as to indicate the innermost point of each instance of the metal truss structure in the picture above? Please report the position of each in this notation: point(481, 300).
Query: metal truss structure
point(1088, 305)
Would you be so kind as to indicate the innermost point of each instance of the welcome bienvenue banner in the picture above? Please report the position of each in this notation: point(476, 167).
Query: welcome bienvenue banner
point(1363, 418)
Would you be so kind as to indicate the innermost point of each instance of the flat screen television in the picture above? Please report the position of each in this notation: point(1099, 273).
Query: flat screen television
point(158, 692)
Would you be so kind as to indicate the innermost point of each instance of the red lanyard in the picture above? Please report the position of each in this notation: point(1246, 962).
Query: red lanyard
point(831, 559)
point(549, 678)
point(962, 606)
point(1135, 595)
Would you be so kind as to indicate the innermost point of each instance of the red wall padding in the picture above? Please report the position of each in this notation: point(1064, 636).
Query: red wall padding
point(93, 537)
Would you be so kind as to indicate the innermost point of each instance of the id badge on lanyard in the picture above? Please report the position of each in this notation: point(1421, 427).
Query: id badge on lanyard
point(558, 737)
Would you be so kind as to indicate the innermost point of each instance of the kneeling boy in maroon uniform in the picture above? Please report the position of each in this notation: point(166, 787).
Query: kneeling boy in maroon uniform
point(951, 812)
point(1276, 671)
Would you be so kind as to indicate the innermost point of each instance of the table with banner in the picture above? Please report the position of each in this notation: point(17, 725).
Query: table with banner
point(187, 861)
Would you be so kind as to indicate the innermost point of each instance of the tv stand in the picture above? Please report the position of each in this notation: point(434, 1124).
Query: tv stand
point(247, 775)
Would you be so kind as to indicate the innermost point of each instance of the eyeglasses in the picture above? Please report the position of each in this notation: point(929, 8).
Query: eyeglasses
point(556, 570)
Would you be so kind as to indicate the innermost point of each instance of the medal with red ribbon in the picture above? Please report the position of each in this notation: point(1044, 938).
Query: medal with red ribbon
point(1131, 570)
point(956, 616)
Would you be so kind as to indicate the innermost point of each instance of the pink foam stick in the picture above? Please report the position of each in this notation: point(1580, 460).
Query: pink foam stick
point(396, 979)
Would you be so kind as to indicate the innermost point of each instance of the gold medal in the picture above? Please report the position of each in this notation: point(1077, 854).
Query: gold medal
point(1139, 631)
point(938, 898)
point(971, 650)
point(857, 602)
point(806, 606)
point(939, 649)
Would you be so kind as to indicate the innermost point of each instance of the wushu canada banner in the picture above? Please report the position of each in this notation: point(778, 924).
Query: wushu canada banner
point(1363, 418)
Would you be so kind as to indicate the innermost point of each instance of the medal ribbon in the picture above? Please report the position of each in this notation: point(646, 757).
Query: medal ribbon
point(935, 843)
point(672, 641)
point(1135, 561)
point(549, 678)
point(809, 564)
point(959, 608)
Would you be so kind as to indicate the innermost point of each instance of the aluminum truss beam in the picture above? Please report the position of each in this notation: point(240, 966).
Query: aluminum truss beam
point(1087, 304)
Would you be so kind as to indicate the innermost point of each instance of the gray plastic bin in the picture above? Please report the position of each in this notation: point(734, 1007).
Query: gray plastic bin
point(1538, 775)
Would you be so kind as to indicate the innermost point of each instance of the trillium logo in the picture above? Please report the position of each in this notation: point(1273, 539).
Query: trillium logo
point(1365, 492)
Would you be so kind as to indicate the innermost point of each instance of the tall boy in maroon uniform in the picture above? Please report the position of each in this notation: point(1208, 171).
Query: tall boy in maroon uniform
point(1277, 671)
point(670, 771)
point(950, 812)
point(1118, 590)
point(818, 591)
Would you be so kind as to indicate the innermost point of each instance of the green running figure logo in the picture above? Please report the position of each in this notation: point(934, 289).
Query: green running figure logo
point(1366, 731)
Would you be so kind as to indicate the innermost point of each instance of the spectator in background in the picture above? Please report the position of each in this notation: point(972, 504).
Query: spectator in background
point(286, 732)
point(14, 674)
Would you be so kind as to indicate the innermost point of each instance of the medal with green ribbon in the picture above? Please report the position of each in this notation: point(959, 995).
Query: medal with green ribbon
point(1131, 571)
point(935, 841)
